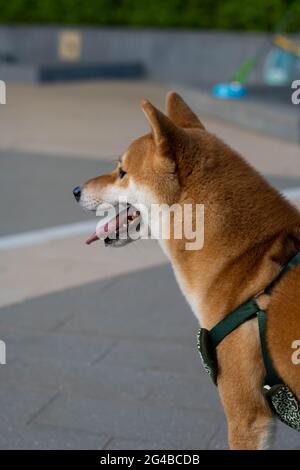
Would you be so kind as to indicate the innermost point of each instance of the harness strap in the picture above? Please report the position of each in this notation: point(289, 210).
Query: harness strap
point(271, 376)
point(290, 265)
point(243, 313)
point(246, 311)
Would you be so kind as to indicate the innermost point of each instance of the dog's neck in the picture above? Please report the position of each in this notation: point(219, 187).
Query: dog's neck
point(214, 286)
point(250, 233)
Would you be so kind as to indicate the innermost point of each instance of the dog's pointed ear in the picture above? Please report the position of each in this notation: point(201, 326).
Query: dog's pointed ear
point(180, 113)
point(165, 133)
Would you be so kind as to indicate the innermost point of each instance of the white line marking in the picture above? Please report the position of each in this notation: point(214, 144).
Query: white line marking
point(38, 237)
point(292, 193)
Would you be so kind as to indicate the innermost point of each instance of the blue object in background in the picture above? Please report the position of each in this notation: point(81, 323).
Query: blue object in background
point(279, 66)
point(233, 90)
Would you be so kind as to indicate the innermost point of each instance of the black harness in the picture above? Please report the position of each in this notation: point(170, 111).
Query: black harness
point(281, 399)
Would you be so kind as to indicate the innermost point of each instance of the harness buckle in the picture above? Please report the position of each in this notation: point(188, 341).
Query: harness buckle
point(207, 354)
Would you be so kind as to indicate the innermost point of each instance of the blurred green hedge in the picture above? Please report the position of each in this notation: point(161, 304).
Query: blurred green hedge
point(206, 14)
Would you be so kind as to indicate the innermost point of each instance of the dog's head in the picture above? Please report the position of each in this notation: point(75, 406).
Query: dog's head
point(151, 171)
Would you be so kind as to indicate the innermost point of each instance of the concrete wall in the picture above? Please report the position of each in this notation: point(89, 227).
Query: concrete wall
point(178, 56)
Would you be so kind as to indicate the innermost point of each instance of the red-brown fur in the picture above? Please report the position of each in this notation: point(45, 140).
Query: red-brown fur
point(251, 231)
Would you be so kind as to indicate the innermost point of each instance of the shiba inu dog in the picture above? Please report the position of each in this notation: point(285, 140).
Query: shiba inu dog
point(250, 233)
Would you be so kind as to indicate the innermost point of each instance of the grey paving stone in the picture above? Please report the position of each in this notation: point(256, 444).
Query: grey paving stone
point(74, 380)
point(39, 437)
point(112, 382)
point(183, 428)
point(175, 390)
point(48, 312)
point(151, 356)
point(142, 305)
point(54, 347)
point(133, 444)
point(121, 384)
point(19, 406)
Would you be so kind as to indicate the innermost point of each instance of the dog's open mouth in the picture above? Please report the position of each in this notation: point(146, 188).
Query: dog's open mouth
point(117, 226)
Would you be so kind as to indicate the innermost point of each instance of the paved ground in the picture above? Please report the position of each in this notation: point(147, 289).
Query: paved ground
point(109, 365)
point(100, 343)
point(264, 109)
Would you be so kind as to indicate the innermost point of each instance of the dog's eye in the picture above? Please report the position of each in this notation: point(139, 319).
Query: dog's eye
point(122, 173)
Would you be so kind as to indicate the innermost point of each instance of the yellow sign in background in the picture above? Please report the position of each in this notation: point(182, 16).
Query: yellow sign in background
point(69, 45)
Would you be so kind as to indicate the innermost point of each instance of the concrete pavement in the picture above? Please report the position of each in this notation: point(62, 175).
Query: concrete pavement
point(100, 119)
point(101, 349)
point(109, 365)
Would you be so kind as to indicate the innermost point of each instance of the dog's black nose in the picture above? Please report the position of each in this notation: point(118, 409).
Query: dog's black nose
point(77, 193)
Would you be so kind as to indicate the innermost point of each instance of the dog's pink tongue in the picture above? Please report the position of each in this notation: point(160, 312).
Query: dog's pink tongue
point(92, 238)
point(102, 230)
point(108, 227)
